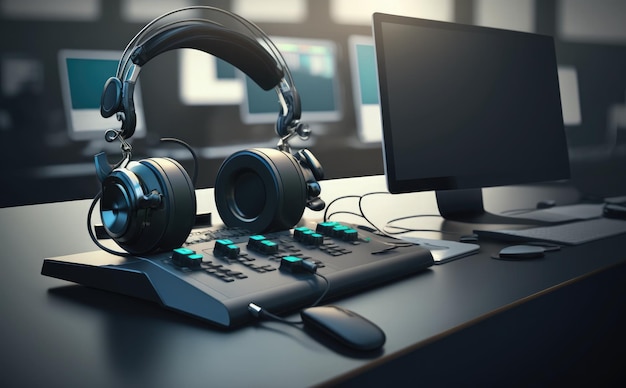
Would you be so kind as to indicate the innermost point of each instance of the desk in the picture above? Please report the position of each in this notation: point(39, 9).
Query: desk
point(473, 321)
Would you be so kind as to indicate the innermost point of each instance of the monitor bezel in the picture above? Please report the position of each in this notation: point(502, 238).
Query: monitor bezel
point(480, 180)
point(103, 124)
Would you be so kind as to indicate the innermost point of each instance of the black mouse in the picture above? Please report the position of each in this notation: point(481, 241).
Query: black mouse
point(614, 210)
point(348, 327)
point(546, 204)
point(470, 238)
point(520, 252)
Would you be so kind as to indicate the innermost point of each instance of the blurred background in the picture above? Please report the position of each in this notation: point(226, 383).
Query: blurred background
point(56, 55)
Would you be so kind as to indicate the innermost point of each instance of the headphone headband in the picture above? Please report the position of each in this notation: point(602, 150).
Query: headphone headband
point(262, 63)
point(235, 48)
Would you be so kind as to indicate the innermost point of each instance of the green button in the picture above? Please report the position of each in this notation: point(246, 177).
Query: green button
point(184, 251)
point(292, 259)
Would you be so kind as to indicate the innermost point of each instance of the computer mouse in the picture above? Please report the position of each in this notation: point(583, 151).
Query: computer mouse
point(546, 204)
point(470, 238)
point(347, 327)
point(613, 210)
point(520, 252)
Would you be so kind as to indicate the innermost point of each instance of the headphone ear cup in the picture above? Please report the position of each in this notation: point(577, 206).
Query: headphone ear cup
point(111, 98)
point(260, 190)
point(148, 206)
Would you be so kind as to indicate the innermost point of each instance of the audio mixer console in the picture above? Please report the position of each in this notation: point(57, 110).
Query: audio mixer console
point(219, 272)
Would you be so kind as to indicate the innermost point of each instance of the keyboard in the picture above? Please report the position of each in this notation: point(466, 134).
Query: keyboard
point(219, 272)
point(574, 233)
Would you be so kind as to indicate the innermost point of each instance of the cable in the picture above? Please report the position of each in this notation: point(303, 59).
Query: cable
point(363, 213)
point(412, 216)
point(259, 312)
point(91, 233)
point(321, 297)
point(385, 231)
point(335, 200)
point(344, 212)
point(194, 178)
point(402, 229)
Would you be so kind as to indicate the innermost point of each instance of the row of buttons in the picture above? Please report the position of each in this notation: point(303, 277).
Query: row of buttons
point(190, 260)
point(307, 236)
point(185, 257)
point(226, 248)
point(337, 230)
point(223, 273)
point(260, 244)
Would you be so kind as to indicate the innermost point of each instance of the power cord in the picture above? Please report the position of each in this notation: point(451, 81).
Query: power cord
point(385, 231)
point(361, 213)
point(403, 229)
point(91, 232)
point(294, 265)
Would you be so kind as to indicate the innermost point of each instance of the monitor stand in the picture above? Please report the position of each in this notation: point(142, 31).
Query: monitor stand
point(466, 205)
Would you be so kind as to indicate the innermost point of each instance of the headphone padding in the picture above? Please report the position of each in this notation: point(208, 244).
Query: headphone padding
point(260, 190)
point(128, 107)
point(111, 99)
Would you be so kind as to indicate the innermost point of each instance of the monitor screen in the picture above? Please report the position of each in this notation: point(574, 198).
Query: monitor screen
point(313, 65)
point(83, 74)
point(207, 80)
point(465, 107)
point(365, 88)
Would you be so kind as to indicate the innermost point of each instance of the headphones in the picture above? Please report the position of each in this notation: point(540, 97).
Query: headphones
point(150, 205)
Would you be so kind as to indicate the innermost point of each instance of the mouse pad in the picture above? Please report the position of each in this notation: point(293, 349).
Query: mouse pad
point(442, 250)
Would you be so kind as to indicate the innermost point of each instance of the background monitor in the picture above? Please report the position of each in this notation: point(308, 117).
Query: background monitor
point(83, 74)
point(466, 107)
point(313, 65)
point(207, 80)
point(365, 88)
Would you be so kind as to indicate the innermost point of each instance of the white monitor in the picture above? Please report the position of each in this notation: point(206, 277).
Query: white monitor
point(83, 74)
point(365, 88)
point(313, 65)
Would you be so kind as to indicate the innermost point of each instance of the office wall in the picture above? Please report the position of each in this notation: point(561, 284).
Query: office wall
point(41, 163)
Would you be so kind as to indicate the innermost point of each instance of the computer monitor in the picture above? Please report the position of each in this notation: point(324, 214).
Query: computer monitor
point(466, 107)
point(365, 88)
point(313, 65)
point(83, 74)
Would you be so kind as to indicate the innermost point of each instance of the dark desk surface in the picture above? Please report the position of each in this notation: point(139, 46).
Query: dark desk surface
point(472, 320)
